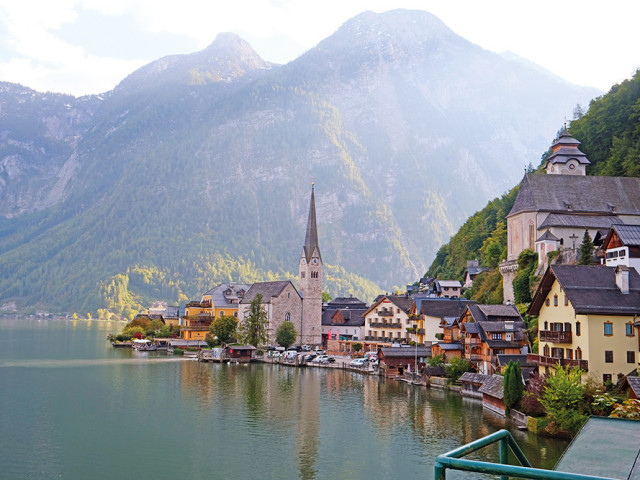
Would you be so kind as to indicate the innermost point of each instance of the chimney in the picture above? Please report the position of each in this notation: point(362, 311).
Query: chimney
point(622, 279)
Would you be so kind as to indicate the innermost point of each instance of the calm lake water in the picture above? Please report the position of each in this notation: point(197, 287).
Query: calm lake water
point(73, 407)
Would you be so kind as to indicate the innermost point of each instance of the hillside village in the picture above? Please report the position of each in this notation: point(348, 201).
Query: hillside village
point(587, 314)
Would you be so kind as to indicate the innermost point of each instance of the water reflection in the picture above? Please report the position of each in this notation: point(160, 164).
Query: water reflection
point(219, 420)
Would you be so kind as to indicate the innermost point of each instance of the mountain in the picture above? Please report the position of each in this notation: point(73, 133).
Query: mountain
point(197, 168)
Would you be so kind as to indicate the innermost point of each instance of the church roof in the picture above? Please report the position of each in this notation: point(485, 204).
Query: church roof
point(600, 222)
point(578, 194)
point(268, 290)
point(311, 238)
point(565, 147)
point(547, 235)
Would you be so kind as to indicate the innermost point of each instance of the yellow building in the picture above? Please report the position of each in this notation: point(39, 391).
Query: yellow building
point(586, 318)
point(220, 301)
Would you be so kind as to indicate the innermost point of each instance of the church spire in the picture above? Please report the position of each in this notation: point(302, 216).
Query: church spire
point(311, 239)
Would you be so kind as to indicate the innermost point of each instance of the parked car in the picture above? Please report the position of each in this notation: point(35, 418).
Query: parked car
point(309, 357)
point(306, 348)
point(327, 359)
point(320, 359)
point(369, 355)
point(319, 351)
point(358, 362)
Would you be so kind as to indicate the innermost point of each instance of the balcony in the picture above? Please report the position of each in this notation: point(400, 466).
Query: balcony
point(555, 337)
point(195, 328)
point(553, 361)
point(474, 357)
point(385, 313)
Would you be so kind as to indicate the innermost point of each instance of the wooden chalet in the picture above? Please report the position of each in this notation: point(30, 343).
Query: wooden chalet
point(398, 360)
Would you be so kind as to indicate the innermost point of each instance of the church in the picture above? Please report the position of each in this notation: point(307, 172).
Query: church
point(283, 302)
point(553, 209)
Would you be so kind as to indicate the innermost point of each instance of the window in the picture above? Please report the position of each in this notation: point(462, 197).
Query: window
point(301, 274)
point(287, 317)
point(629, 329)
point(221, 313)
point(606, 378)
point(532, 238)
point(577, 329)
point(546, 325)
point(557, 352)
point(235, 314)
point(546, 351)
point(555, 300)
point(608, 356)
point(566, 300)
point(578, 353)
point(569, 353)
point(631, 356)
point(496, 336)
point(608, 329)
point(547, 302)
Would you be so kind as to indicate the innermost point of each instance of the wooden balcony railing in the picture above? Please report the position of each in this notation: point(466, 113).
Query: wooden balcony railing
point(553, 361)
point(555, 337)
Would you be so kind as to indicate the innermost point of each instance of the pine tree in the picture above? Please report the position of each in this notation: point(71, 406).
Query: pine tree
point(254, 327)
point(512, 386)
point(586, 250)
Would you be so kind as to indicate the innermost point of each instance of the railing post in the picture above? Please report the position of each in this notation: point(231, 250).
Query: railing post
point(504, 454)
point(439, 472)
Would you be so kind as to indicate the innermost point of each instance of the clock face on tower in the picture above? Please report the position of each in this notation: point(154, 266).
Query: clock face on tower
point(315, 260)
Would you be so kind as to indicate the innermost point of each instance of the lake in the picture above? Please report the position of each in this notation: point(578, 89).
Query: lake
point(73, 407)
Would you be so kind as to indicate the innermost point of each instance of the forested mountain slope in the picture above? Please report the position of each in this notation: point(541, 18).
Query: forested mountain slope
point(197, 168)
point(610, 137)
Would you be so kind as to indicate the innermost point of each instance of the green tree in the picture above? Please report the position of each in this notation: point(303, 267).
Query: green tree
point(286, 334)
point(356, 347)
point(437, 360)
point(253, 329)
point(326, 297)
point(456, 367)
point(513, 386)
point(586, 250)
point(563, 399)
point(525, 278)
point(224, 328)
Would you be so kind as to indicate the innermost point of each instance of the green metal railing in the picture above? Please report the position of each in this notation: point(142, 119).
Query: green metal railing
point(452, 460)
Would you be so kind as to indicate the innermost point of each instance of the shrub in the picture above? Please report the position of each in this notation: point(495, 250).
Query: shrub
point(628, 409)
point(563, 401)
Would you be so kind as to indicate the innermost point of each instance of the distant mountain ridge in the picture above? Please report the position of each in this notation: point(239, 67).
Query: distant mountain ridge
point(196, 168)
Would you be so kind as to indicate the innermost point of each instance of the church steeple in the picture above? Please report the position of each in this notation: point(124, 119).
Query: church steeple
point(310, 281)
point(311, 239)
